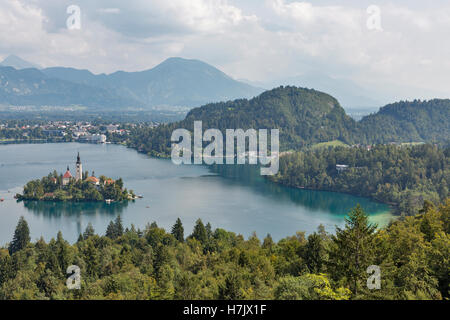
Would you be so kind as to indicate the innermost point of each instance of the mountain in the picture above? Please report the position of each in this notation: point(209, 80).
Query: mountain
point(32, 87)
point(17, 63)
point(349, 94)
point(303, 116)
point(174, 82)
point(306, 117)
point(409, 121)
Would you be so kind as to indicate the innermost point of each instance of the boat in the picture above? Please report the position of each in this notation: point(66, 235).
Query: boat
point(108, 201)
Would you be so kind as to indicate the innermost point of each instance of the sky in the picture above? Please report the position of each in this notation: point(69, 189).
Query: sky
point(386, 45)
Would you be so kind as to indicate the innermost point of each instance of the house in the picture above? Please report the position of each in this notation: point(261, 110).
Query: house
point(66, 177)
point(93, 180)
point(109, 181)
point(341, 167)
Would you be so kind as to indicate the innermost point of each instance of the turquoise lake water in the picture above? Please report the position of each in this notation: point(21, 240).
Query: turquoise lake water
point(235, 198)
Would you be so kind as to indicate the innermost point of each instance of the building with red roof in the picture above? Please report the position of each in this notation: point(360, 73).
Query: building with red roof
point(66, 177)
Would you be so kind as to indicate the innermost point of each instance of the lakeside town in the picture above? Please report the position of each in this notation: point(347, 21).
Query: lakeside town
point(65, 131)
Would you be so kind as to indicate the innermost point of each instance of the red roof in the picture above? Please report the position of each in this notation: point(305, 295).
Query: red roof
point(92, 179)
point(67, 175)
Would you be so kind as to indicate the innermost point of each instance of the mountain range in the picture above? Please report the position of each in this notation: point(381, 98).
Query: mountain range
point(17, 63)
point(174, 82)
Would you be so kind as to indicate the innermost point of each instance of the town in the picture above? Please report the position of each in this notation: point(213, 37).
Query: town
point(65, 131)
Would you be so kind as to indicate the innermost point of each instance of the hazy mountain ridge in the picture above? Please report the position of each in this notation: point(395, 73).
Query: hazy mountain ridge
point(32, 87)
point(17, 63)
point(174, 82)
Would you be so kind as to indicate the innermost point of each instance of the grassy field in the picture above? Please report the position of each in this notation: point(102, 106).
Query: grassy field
point(334, 143)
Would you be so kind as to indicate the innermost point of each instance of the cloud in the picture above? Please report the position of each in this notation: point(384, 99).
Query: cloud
point(255, 40)
point(109, 10)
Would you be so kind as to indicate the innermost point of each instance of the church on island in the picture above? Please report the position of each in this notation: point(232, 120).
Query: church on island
point(77, 187)
point(67, 177)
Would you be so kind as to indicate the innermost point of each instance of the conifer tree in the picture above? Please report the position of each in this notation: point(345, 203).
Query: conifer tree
point(178, 230)
point(118, 226)
point(89, 232)
point(353, 249)
point(199, 232)
point(111, 230)
point(21, 236)
point(315, 253)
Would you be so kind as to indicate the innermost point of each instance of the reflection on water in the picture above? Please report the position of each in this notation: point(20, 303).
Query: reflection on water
point(233, 197)
point(313, 200)
point(62, 209)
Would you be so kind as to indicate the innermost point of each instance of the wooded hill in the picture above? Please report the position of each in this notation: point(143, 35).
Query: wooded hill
point(306, 117)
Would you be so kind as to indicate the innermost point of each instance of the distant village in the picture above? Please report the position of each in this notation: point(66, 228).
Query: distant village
point(64, 130)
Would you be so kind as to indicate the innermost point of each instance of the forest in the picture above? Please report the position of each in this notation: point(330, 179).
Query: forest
point(404, 176)
point(306, 117)
point(51, 188)
point(412, 254)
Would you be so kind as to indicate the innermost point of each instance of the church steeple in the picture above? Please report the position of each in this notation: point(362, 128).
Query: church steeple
point(79, 173)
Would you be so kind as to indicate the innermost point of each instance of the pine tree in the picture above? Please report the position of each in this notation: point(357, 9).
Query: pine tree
point(178, 230)
point(353, 249)
point(315, 253)
point(115, 229)
point(111, 230)
point(119, 227)
point(89, 232)
point(21, 236)
point(268, 242)
point(199, 232)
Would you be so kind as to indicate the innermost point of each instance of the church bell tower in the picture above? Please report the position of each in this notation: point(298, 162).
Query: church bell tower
point(79, 173)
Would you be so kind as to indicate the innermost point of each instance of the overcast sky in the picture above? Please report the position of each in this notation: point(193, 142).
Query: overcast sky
point(257, 40)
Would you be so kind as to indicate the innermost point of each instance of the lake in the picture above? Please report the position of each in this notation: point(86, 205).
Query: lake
point(235, 198)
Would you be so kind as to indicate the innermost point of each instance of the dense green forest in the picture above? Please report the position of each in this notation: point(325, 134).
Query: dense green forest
point(51, 188)
point(310, 119)
point(30, 134)
point(409, 121)
point(401, 175)
point(306, 117)
point(412, 254)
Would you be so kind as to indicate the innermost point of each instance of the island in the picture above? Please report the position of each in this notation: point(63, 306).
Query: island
point(81, 187)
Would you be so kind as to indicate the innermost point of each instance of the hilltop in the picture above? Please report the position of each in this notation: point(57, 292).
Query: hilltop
point(306, 117)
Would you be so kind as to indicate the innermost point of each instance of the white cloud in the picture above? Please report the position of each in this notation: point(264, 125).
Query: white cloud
point(109, 10)
point(251, 40)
